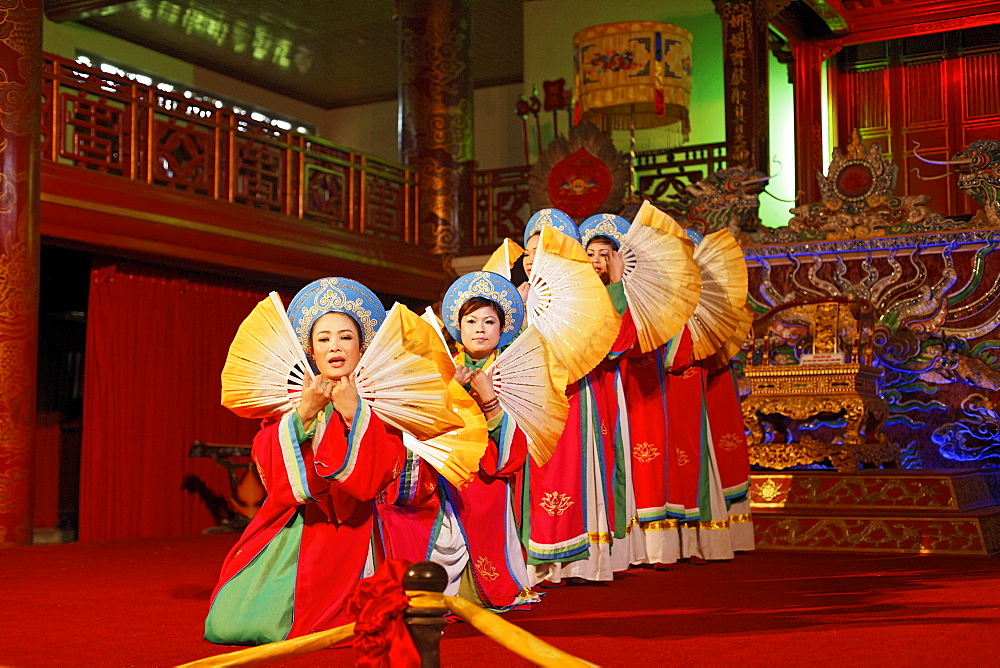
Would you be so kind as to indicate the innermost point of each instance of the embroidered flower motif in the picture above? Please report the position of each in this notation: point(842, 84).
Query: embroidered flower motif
point(604, 428)
point(645, 452)
point(682, 458)
point(689, 372)
point(555, 503)
point(486, 570)
point(731, 441)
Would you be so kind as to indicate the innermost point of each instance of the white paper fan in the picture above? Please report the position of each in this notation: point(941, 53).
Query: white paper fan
point(723, 292)
point(404, 376)
point(266, 366)
point(531, 388)
point(661, 279)
point(569, 305)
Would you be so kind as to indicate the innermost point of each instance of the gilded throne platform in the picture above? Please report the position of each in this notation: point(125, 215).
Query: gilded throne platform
point(887, 511)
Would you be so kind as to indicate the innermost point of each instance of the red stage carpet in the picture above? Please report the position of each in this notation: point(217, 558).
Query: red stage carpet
point(143, 603)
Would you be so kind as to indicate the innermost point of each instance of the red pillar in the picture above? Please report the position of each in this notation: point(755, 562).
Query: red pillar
point(808, 60)
point(20, 105)
point(435, 99)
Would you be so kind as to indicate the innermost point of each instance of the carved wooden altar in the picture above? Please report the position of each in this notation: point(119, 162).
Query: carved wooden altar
point(813, 358)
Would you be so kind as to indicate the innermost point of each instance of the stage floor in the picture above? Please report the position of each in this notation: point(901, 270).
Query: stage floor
point(143, 602)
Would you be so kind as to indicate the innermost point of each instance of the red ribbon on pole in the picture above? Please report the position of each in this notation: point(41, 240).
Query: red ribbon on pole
point(381, 639)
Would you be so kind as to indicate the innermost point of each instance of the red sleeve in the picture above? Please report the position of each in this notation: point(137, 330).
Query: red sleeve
point(362, 460)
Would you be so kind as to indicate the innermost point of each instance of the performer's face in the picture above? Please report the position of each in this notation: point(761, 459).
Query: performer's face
point(480, 331)
point(336, 345)
point(598, 251)
point(529, 253)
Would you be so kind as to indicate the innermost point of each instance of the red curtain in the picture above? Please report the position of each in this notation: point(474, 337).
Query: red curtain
point(156, 344)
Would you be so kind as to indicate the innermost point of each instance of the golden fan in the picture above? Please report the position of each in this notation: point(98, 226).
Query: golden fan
point(473, 431)
point(734, 343)
point(569, 305)
point(266, 367)
point(453, 452)
point(661, 279)
point(503, 258)
point(723, 292)
point(650, 215)
point(531, 389)
point(404, 375)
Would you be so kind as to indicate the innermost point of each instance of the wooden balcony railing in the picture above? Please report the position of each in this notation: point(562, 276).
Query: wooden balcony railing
point(112, 125)
point(502, 205)
point(99, 121)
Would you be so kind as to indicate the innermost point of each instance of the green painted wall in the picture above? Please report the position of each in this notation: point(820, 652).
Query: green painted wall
point(549, 26)
point(781, 106)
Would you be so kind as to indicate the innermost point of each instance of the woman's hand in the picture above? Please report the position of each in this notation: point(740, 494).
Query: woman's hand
point(462, 375)
point(344, 395)
point(481, 386)
point(616, 266)
point(481, 389)
point(315, 397)
point(523, 291)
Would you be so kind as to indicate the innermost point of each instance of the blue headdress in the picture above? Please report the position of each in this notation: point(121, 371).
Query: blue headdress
point(492, 286)
point(335, 295)
point(604, 225)
point(560, 220)
point(696, 237)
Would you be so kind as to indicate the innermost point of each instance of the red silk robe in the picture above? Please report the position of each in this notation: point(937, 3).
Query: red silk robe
point(293, 568)
point(412, 514)
point(577, 502)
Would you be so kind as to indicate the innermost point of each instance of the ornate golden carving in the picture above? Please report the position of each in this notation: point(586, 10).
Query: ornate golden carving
point(555, 503)
point(769, 491)
point(947, 491)
point(802, 391)
point(896, 535)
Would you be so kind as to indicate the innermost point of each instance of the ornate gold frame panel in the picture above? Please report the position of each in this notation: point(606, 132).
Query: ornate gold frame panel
point(803, 391)
point(888, 535)
point(944, 491)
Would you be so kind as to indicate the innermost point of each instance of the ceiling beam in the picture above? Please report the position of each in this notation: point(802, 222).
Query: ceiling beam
point(75, 10)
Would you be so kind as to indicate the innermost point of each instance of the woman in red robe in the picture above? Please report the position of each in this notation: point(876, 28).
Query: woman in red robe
point(578, 514)
point(322, 464)
point(470, 531)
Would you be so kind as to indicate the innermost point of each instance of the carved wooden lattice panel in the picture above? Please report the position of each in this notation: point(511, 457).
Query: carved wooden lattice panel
point(259, 171)
point(326, 196)
point(502, 208)
point(96, 133)
point(184, 155)
point(385, 206)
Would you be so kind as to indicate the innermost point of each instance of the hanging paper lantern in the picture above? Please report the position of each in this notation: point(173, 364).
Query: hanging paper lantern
point(634, 72)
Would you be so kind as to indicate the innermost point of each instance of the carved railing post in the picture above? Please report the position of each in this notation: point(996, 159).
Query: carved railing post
point(426, 625)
